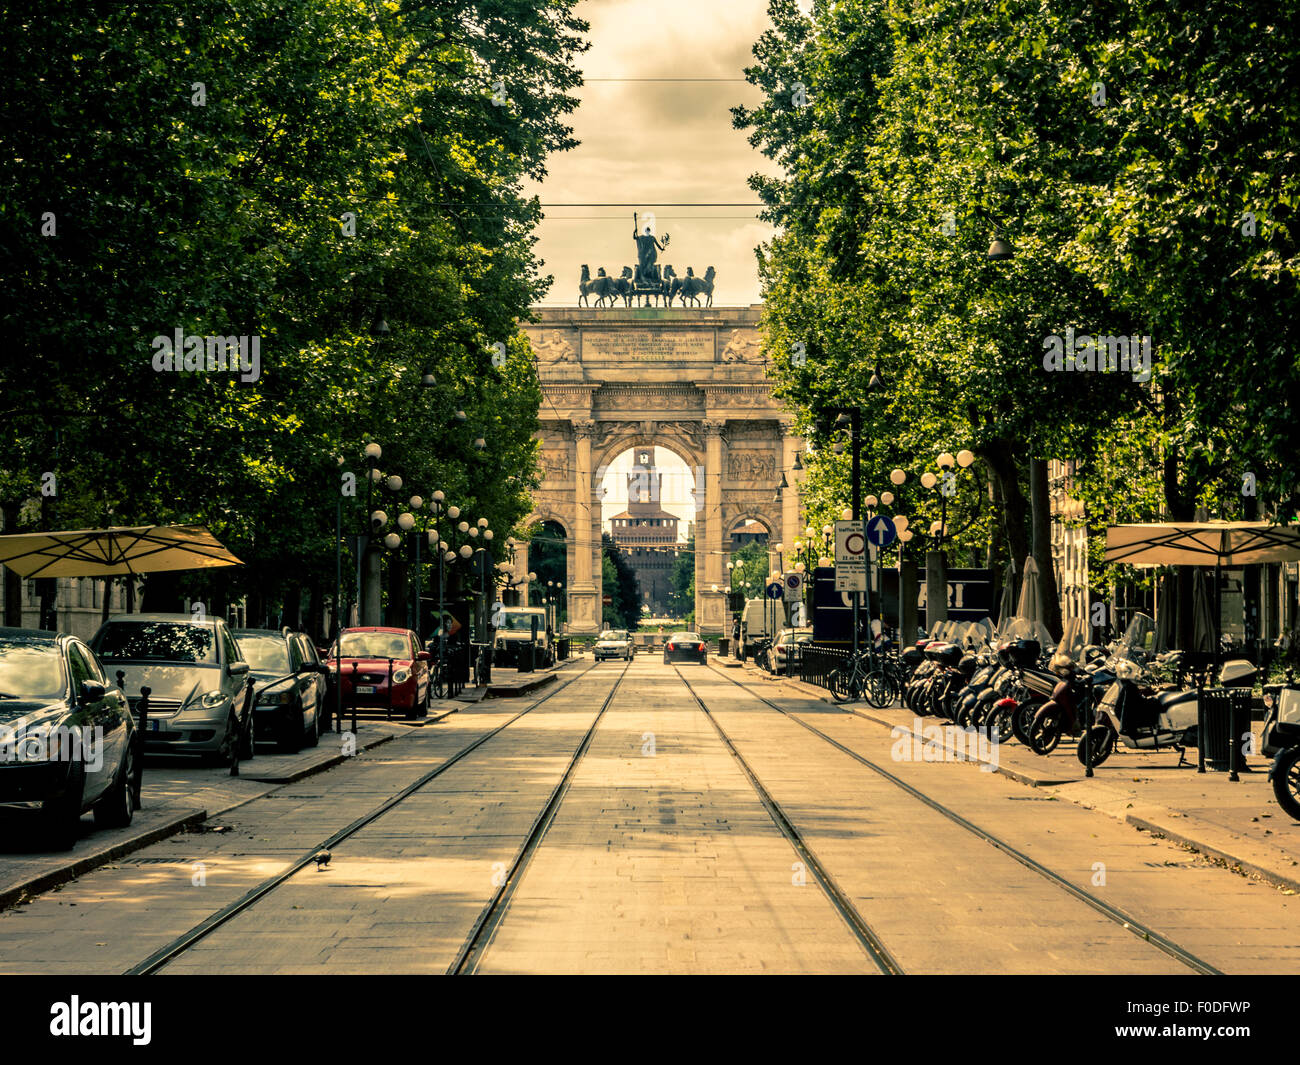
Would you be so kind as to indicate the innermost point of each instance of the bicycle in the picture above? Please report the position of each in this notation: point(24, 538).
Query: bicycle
point(763, 653)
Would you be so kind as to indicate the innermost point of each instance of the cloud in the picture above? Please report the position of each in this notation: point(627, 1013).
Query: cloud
point(653, 143)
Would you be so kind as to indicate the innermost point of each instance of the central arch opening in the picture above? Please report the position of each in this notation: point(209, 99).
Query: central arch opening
point(648, 495)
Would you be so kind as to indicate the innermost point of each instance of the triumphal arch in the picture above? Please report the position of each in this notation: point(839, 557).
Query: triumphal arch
point(689, 379)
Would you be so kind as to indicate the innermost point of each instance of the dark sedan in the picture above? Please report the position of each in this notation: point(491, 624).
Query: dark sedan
point(67, 737)
point(293, 712)
point(685, 647)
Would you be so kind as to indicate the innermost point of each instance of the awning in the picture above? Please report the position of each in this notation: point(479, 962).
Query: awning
point(113, 552)
point(1215, 543)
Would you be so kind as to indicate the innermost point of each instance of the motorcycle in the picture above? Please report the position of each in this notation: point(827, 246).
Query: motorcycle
point(1083, 673)
point(1140, 711)
point(1282, 741)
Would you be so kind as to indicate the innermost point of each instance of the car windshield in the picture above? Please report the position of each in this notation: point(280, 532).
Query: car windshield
point(162, 641)
point(684, 637)
point(614, 634)
point(264, 654)
point(524, 622)
point(374, 645)
point(30, 671)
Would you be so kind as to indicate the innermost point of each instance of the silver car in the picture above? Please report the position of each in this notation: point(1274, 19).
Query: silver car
point(613, 643)
point(195, 673)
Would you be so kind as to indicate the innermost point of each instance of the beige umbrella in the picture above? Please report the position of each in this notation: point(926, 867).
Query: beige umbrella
point(1030, 606)
point(113, 552)
point(1209, 543)
point(1007, 604)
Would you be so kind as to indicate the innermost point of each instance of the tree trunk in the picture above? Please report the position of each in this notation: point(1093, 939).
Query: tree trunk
point(1000, 456)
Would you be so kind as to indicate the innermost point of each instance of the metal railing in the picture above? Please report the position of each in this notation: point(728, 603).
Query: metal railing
point(814, 662)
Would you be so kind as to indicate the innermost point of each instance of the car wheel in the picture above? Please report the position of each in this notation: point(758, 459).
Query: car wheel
point(292, 728)
point(226, 750)
point(62, 816)
point(116, 806)
point(246, 751)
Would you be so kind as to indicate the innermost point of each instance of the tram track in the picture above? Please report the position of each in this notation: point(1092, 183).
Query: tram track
point(857, 924)
point(179, 945)
point(480, 938)
point(1108, 910)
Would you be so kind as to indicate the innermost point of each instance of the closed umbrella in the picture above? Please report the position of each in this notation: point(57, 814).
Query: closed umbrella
point(1204, 628)
point(113, 552)
point(1030, 605)
point(1165, 622)
point(1007, 604)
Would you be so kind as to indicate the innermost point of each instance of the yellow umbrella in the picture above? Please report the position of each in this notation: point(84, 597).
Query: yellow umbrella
point(113, 552)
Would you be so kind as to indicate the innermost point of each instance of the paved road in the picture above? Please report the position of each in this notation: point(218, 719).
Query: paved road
point(659, 854)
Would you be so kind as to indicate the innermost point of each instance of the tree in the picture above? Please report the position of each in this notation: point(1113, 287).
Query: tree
point(619, 580)
point(364, 167)
point(681, 598)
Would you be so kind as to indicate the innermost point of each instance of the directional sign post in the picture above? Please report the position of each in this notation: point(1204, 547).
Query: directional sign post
point(881, 531)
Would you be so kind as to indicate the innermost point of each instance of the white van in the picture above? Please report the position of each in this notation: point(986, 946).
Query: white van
point(758, 616)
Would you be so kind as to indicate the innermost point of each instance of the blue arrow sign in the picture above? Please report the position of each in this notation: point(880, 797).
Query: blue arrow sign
point(881, 531)
point(775, 590)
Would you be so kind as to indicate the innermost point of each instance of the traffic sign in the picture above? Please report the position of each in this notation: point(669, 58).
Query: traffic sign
point(850, 557)
point(775, 590)
point(881, 531)
point(793, 587)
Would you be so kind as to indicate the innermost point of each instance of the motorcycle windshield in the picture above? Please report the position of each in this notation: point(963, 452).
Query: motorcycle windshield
point(1074, 638)
point(1138, 638)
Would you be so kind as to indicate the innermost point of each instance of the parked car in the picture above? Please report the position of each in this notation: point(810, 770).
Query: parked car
point(369, 650)
point(294, 712)
point(67, 736)
point(685, 646)
point(515, 630)
point(195, 674)
point(785, 639)
point(759, 614)
point(613, 643)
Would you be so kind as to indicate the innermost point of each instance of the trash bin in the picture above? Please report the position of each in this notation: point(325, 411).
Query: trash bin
point(724, 646)
point(1225, 717)
point(562, 648)
point(527, 656)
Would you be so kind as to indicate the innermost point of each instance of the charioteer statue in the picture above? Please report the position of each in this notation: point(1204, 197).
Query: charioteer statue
point(647, 254)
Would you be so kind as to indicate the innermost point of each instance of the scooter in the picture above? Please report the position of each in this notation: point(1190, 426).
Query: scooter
point(1141, 716)
point(1282, 740)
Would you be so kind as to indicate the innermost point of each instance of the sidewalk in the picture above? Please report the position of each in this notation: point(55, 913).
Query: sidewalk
point(176, 796)
point(1238, 823)
point(506, 683)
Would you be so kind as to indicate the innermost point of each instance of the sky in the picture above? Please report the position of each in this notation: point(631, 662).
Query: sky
point(651, 144)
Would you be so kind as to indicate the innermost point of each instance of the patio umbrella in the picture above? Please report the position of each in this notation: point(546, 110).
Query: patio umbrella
point(1211, 543)
point(1204, 543)
point(1031, 592)
point(1007, 604)
point(113, 552)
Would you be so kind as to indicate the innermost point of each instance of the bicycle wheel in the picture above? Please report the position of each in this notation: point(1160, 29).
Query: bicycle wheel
point(879, 689)
point(837, 684)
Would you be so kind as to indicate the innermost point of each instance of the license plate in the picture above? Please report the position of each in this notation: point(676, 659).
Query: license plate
point(155, 725)
point(365, 689)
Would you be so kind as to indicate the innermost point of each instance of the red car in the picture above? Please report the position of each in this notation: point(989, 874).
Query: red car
point(363, 669)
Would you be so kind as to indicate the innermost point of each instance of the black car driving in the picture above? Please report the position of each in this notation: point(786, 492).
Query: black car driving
point(67, 736)
point(685, 646)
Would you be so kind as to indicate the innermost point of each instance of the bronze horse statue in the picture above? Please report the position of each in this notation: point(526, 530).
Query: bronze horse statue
point(623, 286)
point(692, 287)
point(604, 287)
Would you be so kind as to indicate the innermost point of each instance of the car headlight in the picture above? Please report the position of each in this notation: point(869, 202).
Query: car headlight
point(279, 698)
point(401, 676)
point(36, 744)
point(210, 701)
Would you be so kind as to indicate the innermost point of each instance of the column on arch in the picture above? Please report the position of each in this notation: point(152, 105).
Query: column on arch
point(709, 608)
point(584, 591)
